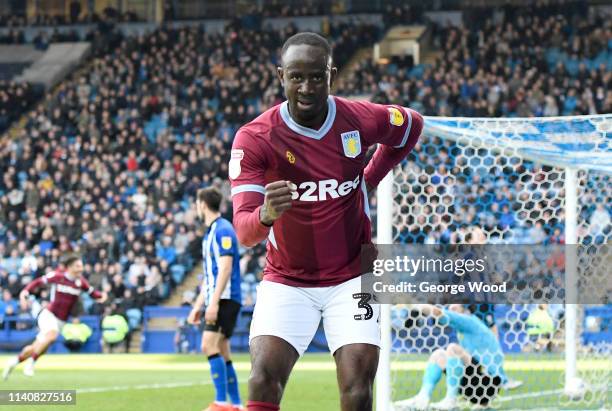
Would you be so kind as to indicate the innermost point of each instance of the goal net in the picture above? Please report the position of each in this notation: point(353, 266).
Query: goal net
point(518, 181)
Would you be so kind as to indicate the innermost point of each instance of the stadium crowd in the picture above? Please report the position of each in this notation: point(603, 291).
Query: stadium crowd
point(108, 166)
point(527, 62)
point(504, 68)
point(15, 99)
point(76, 15)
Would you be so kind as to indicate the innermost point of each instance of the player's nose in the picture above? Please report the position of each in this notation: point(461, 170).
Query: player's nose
point(306, 88)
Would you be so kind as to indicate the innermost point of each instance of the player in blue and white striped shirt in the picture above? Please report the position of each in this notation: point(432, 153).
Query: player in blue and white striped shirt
point(221, 295)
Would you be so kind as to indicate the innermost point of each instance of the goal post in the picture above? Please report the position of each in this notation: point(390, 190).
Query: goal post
point(557, 176)
point(571, 329)
point(384, 235)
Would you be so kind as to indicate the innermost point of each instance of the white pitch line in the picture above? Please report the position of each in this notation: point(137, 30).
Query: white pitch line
point(529, 395)
point(141, 387)
point(536, 409)
point(537, 394)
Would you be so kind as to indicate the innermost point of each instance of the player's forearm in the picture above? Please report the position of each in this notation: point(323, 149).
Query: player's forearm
point(249, 229)
point(383, 161)
point(32, 286)
point(386, 157)
point(199, 302)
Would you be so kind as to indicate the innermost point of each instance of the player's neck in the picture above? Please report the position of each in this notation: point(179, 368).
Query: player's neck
point(209, 218)
point(315, 123)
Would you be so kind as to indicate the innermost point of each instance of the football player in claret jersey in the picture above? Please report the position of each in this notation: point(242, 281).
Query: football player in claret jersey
point(67, 283)
point(300, 180)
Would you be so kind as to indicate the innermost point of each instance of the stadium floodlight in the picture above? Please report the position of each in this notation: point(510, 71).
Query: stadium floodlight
point(552, 173)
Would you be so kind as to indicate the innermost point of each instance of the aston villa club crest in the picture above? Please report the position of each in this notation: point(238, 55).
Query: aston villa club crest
point(351, 143)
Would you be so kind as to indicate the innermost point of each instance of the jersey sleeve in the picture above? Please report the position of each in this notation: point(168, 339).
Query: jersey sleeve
point(393, 125)
point(225, 239)
point(247, 169)
point(388, 155)
point(86, 287)
point(37, 283)
point(247, 165)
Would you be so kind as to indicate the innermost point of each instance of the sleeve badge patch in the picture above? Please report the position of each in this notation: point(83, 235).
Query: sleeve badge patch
point(396, 117)
point(234, 168)
point(226, 242)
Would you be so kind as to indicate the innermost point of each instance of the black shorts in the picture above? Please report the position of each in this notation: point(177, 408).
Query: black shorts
point(478, 386)
point(226, 319)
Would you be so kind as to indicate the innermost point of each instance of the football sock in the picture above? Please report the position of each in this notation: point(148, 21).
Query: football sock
point(432, 375)
point(232, 383)
point(34, 356)
point(219, 376)
point(454, 372)
point(262, 406)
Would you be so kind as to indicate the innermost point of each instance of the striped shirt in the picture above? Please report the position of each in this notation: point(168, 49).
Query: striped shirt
point(220, 240)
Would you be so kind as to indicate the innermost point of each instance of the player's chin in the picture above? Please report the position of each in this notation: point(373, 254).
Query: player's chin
point(308, 111)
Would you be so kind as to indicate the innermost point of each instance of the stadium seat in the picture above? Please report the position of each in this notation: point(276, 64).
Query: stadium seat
point(134, 316)
point(178, 273)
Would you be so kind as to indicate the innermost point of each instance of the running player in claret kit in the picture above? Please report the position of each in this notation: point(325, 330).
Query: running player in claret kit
point(221, 297)
point(67, 283)
point(300, 180)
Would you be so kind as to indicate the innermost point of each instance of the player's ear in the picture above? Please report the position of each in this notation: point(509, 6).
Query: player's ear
point(332, 76)
point(279, 73)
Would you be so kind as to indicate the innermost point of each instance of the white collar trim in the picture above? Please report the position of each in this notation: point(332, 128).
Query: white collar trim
point(309, 132)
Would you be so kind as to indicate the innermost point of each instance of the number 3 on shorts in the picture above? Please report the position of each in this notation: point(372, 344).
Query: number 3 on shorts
point(363, 302)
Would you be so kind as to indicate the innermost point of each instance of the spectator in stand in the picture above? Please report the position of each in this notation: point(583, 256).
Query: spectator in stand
point(166, 250)
point(8, 305)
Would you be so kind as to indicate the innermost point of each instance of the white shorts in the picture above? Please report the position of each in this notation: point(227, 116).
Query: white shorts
point(47, 321)
point(294, 314)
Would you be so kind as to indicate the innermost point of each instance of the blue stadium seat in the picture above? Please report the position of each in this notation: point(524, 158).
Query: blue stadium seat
point(134, 316)
point(178, 273)
point(88, 302)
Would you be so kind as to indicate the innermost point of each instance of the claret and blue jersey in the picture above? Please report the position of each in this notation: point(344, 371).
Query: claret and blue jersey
point(316, 243)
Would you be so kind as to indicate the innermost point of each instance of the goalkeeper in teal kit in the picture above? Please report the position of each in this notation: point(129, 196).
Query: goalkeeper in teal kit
point(473, 367)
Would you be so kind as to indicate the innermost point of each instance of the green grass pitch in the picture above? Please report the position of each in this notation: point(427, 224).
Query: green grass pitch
point(149, 382)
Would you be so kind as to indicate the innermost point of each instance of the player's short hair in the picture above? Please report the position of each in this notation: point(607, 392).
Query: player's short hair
point(70, 259)
point(307, 38)
point(211, 196)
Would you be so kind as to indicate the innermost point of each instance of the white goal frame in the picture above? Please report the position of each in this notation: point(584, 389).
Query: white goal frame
point(385, 236)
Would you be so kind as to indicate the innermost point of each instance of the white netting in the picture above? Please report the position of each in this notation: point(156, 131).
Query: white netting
point(448, 188)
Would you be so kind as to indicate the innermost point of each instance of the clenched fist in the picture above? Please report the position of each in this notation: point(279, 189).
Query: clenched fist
point(277, 201)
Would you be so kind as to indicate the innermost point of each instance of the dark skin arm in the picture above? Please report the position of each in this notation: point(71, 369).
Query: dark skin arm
point(277, 200)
